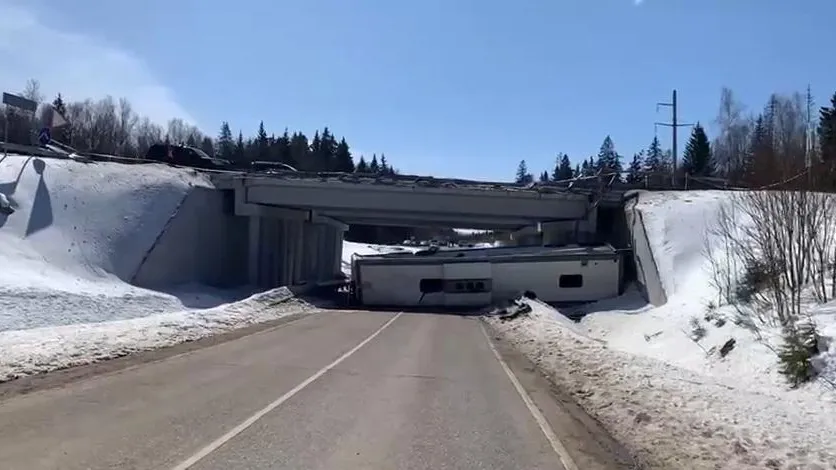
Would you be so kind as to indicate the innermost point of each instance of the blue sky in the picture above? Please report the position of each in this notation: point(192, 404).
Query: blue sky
point(453, 88)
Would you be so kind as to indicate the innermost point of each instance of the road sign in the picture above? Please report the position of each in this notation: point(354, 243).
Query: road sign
point(20, 102)
point(43, 136)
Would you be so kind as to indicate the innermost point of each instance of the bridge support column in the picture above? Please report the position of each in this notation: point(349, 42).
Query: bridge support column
point(285, 251)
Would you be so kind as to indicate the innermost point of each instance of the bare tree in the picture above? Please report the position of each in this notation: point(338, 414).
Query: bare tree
point(734, 128)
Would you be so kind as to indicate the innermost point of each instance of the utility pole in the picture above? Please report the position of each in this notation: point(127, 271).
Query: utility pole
point(674, 125)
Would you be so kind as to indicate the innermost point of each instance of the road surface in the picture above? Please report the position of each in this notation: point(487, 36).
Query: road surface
point(333, 390)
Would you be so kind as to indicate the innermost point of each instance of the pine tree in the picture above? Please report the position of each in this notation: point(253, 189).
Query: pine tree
point(562, 168)
point(299, 152)
point(384, 165)
point(374, 166)
point(362, 166)
point(326, 156)
point(280, 149)
point(342, 158)
point(523, 176)
point(696, 160)
point(653, 162)
point(61, 134)
point(585, 169)
point(635, 172)
point(226, 146)
point(544, 177)
point(826, 132)
point(59, 105)
point(240, 152)
point(609, 161)
point(262, 144)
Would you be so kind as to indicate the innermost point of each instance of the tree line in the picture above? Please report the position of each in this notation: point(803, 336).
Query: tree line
point(751, 148)
point(112, 127)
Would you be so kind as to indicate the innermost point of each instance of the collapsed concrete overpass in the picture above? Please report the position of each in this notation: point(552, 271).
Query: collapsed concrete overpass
point(391, 203)
point(297, 220)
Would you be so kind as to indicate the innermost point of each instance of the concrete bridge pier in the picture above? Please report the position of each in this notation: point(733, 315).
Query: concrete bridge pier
point(287, 252)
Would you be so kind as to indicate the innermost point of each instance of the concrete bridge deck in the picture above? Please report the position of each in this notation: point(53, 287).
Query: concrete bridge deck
point(411, 201)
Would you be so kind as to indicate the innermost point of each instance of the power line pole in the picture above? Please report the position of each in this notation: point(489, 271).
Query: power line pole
point(674, 125)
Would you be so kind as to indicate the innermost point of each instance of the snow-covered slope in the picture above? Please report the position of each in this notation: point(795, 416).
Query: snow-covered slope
point(80, 233)
point(672, 417)
point(670, 396)
point(680, 225)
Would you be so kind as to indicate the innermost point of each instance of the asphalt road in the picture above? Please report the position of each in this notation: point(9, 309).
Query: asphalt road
point(334, 390)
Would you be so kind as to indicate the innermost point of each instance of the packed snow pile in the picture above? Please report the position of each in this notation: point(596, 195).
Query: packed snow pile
point(74, 238)
point(38, 350)
point(672, 417)
point(77, 235)
point(700, 375)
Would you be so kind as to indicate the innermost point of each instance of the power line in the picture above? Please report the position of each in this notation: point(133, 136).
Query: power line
point(674, 125)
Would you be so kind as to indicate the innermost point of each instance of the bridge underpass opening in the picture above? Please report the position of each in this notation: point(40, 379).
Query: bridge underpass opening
point(297, 225)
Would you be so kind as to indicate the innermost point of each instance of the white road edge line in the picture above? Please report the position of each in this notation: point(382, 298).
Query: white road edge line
point(557, 446)
point(217, 443)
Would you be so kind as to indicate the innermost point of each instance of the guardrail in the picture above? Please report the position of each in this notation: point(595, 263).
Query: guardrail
point(601, 185)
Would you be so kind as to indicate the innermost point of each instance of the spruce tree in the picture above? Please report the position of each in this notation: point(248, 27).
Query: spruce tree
point(544, 177)
point(239, 154)
point(384, 165)
point(299, 152)
point(343, 160)
point(826, 131)
point(262, 144)
point(374, 166)
point(281, 149)
point(362, 166)
point(653, 162)
point(61, 134)
point(635, 172)
point(563, 168)
point(226, 146)
point(696, 160)
point(523, 176)
point(609, 161)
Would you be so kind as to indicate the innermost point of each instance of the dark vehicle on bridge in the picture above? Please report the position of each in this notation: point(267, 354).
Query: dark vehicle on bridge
point(186, 156)
point(269, 167)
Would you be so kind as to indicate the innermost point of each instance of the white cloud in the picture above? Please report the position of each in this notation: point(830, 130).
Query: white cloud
point(77, 65)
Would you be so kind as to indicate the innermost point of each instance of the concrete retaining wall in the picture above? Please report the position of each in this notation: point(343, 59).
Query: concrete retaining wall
point(201, 243)
point(647, 273)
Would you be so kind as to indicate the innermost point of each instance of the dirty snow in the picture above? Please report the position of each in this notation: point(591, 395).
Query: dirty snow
point(636, 368)
point(38, 350)
point(78, 234)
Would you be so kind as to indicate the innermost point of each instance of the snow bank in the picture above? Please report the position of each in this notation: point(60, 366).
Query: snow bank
point(32, 351)
point(79, 234)
point(733, 412)
point(672, 417)
point(679, 226)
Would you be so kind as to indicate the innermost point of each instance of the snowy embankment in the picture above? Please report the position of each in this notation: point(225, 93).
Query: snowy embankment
point(78, 234)
point(672, 397)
